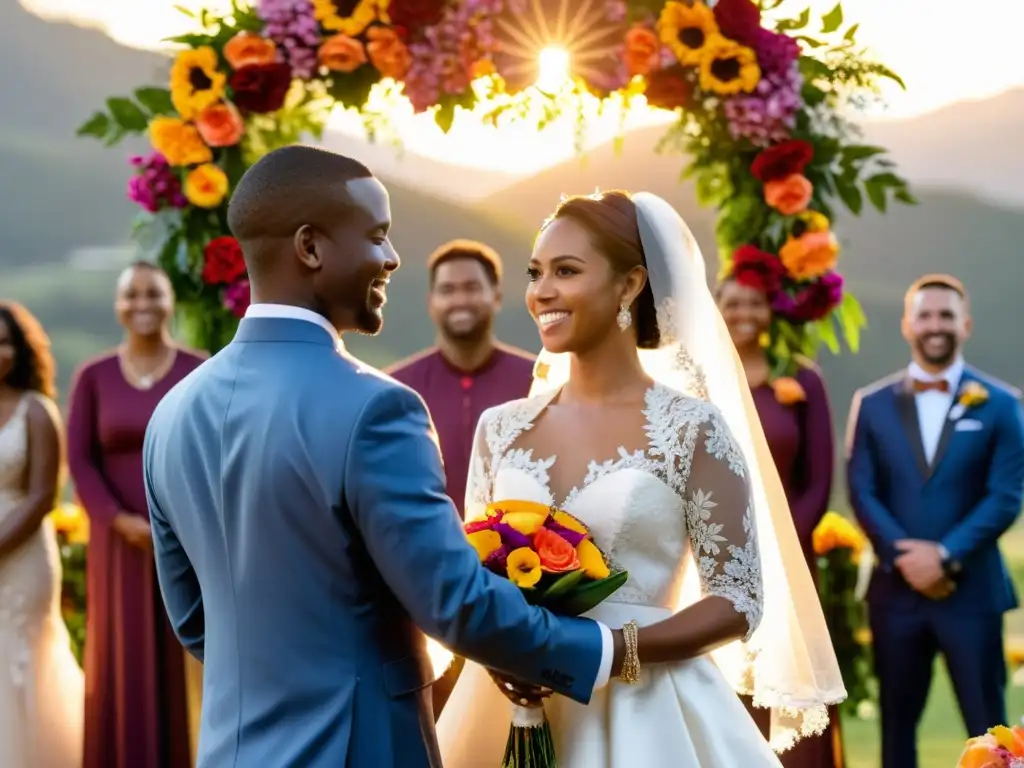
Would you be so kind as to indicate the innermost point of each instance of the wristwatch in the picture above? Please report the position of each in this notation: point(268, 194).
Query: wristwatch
point(950, 566)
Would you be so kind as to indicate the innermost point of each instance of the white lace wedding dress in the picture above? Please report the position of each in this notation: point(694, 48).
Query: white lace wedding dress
point(41, 687)
point(649, 509)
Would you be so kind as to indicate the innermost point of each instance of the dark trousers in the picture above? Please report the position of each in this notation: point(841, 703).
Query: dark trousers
point(905, 646)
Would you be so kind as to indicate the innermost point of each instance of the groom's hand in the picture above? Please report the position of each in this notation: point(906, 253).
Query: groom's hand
point(518, 692)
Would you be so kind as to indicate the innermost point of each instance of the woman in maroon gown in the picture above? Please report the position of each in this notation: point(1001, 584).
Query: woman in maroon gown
point(135, 702)
point(800, 437)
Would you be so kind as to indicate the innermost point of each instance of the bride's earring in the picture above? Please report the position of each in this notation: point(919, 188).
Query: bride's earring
point(624, 318)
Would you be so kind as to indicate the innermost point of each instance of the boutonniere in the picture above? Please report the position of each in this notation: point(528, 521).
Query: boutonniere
point(788, 391)
point(971, 395)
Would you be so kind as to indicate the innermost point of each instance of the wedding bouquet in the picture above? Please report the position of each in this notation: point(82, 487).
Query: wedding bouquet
point(551, 557)
point(1001, 747)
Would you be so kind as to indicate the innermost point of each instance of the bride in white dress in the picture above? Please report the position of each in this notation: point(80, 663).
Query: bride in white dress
point(640, 424)
point(41, 687)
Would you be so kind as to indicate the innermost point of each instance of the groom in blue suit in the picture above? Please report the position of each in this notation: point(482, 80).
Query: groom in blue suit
point(302, 534)
point(935, 474)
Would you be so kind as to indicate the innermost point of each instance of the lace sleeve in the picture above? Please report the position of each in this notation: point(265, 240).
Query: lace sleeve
point(719, 516)
point(478, 485)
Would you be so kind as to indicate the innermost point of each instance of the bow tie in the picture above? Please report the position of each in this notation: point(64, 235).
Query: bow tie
point(930, 386)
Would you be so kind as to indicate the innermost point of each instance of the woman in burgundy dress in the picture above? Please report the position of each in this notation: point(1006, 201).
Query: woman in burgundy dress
point(797, 423)
point(135, 711)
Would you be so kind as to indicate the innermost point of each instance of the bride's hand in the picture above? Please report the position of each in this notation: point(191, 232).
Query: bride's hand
point(520, 693)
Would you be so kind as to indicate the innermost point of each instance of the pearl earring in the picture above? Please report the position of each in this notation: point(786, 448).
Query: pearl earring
point(624, 318)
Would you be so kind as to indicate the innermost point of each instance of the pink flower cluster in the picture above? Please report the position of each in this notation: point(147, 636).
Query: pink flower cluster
point(154, 185)
point(769, 114)
point(443, 59)
point(237, 298)
point(293, 27)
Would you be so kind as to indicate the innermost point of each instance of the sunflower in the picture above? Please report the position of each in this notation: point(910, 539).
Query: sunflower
point(728, 67)
point(195, 82)
point(687, 30)
point(350, 17)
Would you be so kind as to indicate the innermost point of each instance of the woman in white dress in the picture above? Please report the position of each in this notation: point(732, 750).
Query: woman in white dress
point(640, 423)
point(41, 686)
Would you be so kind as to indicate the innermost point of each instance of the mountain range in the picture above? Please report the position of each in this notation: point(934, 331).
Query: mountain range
point(63, 193)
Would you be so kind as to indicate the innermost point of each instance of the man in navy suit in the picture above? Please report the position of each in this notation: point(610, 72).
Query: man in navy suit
point(935, 472)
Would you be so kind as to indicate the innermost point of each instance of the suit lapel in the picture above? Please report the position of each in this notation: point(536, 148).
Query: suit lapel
point(949, 425)
point(907, 408)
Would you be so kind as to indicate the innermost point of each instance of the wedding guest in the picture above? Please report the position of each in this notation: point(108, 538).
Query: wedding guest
point(797, 424)
point(935, 470)
point(41, 687)
point(135, 712)
point(468, 371)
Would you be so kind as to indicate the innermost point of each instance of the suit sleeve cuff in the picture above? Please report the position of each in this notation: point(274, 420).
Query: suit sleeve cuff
point(604, 672)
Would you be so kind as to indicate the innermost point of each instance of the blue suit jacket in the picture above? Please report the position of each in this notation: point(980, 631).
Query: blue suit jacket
point(302, 533)
point(966, 499)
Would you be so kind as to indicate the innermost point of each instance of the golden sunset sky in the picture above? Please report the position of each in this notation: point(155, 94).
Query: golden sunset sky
point(944, 54)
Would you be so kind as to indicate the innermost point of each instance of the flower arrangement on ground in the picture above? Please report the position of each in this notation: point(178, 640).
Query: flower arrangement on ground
point(842, 550)
point(760, 108)
point(71, 526)
point(552, 558)
point(1001, 747)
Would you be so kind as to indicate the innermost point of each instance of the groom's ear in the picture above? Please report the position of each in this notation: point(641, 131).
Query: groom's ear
point(306, 247)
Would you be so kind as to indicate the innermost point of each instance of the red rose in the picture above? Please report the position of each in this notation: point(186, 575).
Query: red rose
point(738, 20)
point(782, 160)
point(261, 87)
point(668, 88)
point(757, 269)
point(413, 15)
point(223, 261)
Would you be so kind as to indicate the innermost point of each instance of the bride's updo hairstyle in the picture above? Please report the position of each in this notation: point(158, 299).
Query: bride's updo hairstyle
point(610, 219)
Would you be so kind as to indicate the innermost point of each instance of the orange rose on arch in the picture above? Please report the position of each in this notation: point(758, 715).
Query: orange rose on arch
point(556, 554)
point(341, 53)
point(249, 48)
point(642, 49)
point(220, 125)
point(790, 195)
point(811, 255)
point(388, 53)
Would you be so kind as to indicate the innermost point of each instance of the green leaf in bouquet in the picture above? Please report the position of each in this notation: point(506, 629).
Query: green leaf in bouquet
point(589, 595)
point(562, 585)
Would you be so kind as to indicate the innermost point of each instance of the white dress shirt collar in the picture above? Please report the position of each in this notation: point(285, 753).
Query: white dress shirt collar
point(951, 375)
point(287, 312)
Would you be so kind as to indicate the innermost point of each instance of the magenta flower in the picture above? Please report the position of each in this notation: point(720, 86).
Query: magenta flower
point(497, 562)
point(237, 298)
point(510, 536)
point(768, 115)
point(154, 185)
point(812, 302)
point(573, 537)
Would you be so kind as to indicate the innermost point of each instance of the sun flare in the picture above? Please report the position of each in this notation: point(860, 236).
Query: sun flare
point(553, 69)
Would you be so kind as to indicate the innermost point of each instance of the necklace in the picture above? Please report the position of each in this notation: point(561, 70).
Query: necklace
point(147, 380)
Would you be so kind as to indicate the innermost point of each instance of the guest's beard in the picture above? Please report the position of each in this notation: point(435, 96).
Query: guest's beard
point(949, 349)
point(474, 334)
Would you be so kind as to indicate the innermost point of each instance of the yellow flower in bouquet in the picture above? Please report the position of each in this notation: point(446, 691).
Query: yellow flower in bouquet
point(836, 532)
point(687, 30)
point(990, 749)
point(178, 141)
point(728, 68)
point(71, 520)
point(206, 186)
point(195, 82)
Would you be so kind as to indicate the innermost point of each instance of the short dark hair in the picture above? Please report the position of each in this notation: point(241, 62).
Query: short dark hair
point(287, 188)
point(935, 280)
point(34, 369)
point(466, 249)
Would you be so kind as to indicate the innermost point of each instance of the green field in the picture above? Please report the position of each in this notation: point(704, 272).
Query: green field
point(942, 732)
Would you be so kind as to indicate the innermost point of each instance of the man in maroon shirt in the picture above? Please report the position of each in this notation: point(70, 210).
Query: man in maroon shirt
point(468, 370)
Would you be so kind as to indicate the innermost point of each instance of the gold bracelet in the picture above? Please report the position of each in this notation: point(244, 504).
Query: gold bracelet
point(630, 672)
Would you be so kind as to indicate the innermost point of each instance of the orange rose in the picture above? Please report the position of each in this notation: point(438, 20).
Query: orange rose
point(642, 49)
point(341, 53)
point(220, 125)
point(247, 48)
point(979, 752)
point(556, 554)
point(388, 53)
point(788, 390)
point(809, 256)
point(789, 196)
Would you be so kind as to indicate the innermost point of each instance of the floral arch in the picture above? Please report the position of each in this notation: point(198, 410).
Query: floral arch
point(761, 101)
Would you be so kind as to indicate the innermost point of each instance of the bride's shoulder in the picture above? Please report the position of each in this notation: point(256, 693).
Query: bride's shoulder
point(681, 408)
point(522, 409)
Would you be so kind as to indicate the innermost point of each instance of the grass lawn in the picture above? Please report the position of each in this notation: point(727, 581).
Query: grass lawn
point(942, 733)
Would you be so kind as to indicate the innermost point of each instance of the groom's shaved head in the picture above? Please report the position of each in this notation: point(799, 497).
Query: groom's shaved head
point(287, 189)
